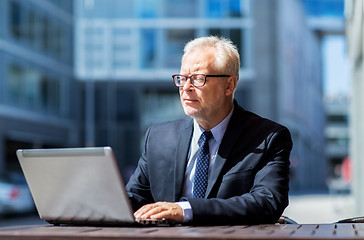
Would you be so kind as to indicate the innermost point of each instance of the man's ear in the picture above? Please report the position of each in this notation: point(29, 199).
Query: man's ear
point(231, 85)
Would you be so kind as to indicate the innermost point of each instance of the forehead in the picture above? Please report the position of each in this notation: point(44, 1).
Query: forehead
point(199, 60)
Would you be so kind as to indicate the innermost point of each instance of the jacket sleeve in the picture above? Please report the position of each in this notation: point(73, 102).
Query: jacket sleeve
point(267, 198)
point(138, 186)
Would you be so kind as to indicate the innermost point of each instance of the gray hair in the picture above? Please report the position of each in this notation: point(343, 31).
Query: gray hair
point(226, 54)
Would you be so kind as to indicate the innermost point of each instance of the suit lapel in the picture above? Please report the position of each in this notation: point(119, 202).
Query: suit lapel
point(183, 144)
point(231, 136)
point(219, 164)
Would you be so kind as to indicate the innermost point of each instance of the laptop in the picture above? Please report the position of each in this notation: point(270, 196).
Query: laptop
point(78, 186)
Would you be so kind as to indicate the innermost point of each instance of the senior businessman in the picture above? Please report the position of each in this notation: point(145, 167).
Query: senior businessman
point(221, 164)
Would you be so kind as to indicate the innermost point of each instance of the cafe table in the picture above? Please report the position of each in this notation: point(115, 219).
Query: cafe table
point(269, 231)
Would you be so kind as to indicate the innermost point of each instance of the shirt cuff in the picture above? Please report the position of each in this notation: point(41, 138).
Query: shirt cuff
point(187, 211)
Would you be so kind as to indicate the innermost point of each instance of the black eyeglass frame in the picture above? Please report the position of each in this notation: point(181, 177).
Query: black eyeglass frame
point(192, 81)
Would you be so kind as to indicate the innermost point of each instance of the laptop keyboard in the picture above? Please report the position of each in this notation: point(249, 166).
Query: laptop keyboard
point(156, 222)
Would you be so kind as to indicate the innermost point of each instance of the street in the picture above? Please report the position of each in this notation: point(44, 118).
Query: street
point(320, 208)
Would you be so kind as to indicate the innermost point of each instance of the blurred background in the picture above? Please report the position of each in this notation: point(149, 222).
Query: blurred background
point(77, 73)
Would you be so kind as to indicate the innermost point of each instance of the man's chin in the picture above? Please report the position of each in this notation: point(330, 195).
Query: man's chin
point(192, 112)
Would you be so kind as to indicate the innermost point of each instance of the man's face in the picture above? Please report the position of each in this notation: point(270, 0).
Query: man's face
point(210, 102)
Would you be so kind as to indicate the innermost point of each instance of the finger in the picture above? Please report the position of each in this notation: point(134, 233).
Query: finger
point(153, 211)
point(148, 210)
point(160, 210)
point(141, 211)
point(170, 211)
point(168, 216)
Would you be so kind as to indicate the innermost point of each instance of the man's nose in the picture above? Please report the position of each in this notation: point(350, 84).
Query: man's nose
point(188, 84)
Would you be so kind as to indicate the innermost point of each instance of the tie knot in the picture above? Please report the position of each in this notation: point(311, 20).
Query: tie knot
point(206, 135)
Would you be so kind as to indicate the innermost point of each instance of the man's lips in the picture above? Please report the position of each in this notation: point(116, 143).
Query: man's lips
point(188, 100)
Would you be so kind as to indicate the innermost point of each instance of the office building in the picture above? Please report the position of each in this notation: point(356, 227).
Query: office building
point(126, 52)
point(38, 94)
point(337, 143)
point(326, 19)
point(354, 13)
point(288, 86)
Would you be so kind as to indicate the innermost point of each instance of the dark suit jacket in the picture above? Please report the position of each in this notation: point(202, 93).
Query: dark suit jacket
point(249, 183)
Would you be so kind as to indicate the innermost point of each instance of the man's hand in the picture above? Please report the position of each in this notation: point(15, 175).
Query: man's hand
point(160, 210)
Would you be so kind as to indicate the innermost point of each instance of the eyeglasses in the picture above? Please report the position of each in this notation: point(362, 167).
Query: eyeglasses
point(197, 80)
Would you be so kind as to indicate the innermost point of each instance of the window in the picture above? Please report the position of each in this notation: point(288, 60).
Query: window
point(148, 48)
point(317, 8)
point(57, 41)
point(339, 141)
point(181, 9)
point(160, 106)
point(15, 83)
point(16, 19)
point(223, 9)
point(33, 89)
point(40, 31)
point(235, 35)
point(45, 40)
point(66, 5)
point(31, 85)
point(175, 42)
point(337, 118)
point(32, 27)
point(50, 94)
point(115, 9)
point(146, 8)
point(122, 51)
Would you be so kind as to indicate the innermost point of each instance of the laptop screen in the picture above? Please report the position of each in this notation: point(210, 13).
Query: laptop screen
point(72, 185)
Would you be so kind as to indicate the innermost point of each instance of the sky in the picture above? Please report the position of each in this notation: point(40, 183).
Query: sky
point(336, 75)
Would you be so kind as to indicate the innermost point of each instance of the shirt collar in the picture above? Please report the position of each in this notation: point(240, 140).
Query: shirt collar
point(218, 131)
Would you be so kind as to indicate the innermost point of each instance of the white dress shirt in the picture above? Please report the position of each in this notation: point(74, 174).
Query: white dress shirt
point(214, 144)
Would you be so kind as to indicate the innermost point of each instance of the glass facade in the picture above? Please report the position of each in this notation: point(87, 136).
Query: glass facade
point(175, 41)
point(44, 37)
point(146, 8)
point(114, 9)
point(33, 89)
point(152, 34)
point(39, 30)
point(224, 9)
point(148, 58)
point(181, 9)
point(38, 104)
point(324, 8)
